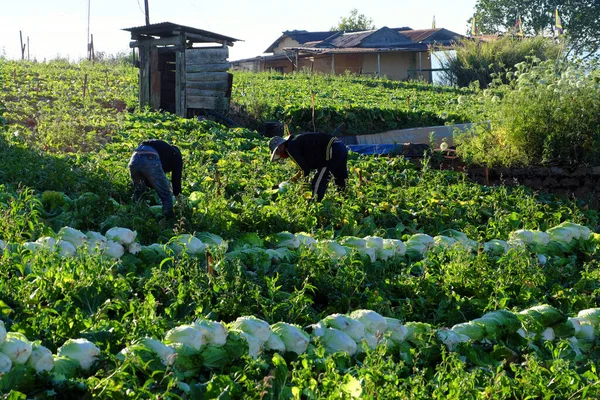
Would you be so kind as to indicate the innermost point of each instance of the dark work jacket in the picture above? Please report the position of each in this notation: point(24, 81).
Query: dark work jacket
point(310, 150)
point(170, 158)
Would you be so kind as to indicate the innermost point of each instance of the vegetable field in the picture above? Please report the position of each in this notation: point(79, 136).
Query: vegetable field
point(306, 102)
point(413, 283)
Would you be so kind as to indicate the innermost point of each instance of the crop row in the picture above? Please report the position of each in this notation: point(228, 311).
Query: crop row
point(306, 102)
point(209, 345)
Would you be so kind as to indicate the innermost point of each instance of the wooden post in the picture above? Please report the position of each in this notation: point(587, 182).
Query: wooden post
point(209, 262)
point(84, 85)
point(145, 74)
point(313, 111)
point(378, 64)
point(333, 63)
point(297, 62)
point(155, 89)
point(22, 46)
point(27, 48)
point(91, 55)
point(180, 79)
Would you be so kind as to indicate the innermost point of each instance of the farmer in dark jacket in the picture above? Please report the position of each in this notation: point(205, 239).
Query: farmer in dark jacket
point(319, 151)
point(147, 167)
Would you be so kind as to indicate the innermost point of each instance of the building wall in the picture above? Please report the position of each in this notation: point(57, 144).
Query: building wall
point(287, 42)
point(249, 65)
point(398, 65)
point(394, 65)
point(347, 62)
point(342, 62)
point(284, 66)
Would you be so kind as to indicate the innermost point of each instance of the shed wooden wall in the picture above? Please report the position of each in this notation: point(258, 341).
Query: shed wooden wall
point(206, 77)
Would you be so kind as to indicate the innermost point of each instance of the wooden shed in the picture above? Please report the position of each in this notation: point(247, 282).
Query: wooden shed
point(182, 70)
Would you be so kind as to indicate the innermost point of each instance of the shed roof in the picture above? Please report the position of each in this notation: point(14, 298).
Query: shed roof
point(168, 29)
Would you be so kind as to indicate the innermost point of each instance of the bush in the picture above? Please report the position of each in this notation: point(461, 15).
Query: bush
point(478, 61)
point(547, 114)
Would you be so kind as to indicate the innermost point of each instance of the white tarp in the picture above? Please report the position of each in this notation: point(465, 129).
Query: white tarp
point(412, 135)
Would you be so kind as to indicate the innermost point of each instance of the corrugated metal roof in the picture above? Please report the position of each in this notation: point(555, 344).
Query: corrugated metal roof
point(322, 50)
point(439, 35)
point(368, 41)
point(167, 29)
point(346, 40)
point(301, 36)
point(305, 37)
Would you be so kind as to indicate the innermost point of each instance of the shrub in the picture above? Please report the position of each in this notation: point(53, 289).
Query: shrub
point(547, 114)
point(477, 61)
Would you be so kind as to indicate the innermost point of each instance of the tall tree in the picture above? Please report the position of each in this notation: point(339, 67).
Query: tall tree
point(354, 22)
point(580, 19)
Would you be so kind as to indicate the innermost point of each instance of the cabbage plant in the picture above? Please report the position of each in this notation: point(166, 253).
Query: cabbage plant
point(16, 347)
point(81, 350)
point(294, 338)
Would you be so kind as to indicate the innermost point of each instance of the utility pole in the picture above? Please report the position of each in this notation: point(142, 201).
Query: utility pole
point(147, 12)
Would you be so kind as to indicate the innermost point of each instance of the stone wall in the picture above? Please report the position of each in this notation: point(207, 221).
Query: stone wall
point(582, 183)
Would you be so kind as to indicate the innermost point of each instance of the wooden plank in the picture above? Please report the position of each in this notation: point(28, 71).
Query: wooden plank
point(206, 56)
point(166, 41)
point(154, 79)
point(171, 49)
point(218, 67)
point(196, 38)
point(145, 75)
point(207, 102)
point(180, 109)
point(207, 76)
point(202, 92)
point(206, 85)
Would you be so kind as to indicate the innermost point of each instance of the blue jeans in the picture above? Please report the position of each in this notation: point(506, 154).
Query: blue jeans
point(146, 170)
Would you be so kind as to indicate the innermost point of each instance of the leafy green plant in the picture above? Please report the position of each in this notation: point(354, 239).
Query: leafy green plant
point(477, 61)
point(547, 114)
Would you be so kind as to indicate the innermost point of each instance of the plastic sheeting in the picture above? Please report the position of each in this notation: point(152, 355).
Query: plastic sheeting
point(375, 148)
point(408, 150)
point(413, 135)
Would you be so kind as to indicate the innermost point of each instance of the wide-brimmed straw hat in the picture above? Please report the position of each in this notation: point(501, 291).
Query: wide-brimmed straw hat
point(274, 144)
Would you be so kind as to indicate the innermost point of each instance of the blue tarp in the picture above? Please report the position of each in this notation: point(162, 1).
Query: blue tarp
point(375, 148)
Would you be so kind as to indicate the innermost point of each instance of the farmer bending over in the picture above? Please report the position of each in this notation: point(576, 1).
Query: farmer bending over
point(319, 151)
point(147, 167)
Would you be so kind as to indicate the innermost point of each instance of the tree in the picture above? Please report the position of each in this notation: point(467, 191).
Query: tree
point(354, 22)
point(580, 19)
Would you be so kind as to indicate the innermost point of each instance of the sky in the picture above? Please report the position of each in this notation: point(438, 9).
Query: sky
point(58, 28)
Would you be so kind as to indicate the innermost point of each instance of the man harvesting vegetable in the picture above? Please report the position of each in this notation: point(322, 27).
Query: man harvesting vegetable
point(147, 167)
point(319, 151)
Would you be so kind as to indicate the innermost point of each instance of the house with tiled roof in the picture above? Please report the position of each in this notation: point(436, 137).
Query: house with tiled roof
point(398, 53)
